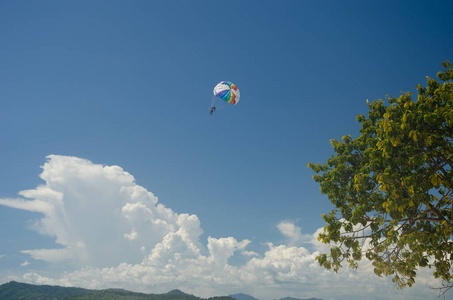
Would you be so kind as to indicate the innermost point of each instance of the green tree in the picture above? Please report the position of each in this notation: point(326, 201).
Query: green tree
point(392, 187)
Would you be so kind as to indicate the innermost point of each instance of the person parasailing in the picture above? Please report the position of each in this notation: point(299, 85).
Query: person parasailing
point(225, 91)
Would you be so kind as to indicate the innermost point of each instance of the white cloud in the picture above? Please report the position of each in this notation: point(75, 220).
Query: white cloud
point(249, 253)
point(222, 249)
point(117, 234)
point(57, 255)
point(98, 214)
point(293, 233)
point(25, 263)
point(36, 205)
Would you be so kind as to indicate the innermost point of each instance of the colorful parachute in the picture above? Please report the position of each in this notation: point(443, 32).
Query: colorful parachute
point(227, 91)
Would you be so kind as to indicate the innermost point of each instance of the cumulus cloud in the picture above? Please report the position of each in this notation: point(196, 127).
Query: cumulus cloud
point(293, 233)
point(98, 214)
point(117, 234)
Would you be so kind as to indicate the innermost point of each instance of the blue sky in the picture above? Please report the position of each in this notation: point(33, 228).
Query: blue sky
point(99, 84)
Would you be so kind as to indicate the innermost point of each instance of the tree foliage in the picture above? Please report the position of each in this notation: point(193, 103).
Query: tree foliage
point(392, 187)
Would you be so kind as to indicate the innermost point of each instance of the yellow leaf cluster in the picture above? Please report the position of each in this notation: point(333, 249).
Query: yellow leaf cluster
point(405, 118)
point(396, 141)
point(411, 190)
point(436, 179)
point(414, 135)
point(408, 104)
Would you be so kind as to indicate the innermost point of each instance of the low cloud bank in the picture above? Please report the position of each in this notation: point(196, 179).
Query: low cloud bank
point(117, 234)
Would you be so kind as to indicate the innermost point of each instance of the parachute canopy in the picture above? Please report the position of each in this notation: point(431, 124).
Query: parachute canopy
point(227, 91)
